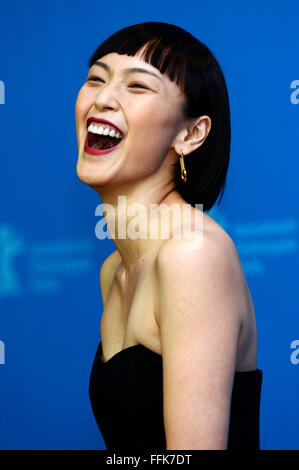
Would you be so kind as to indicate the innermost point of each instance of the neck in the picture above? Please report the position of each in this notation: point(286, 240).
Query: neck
point(139, 220)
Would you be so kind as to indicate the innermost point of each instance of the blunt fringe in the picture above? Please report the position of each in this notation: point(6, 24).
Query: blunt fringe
point(191, 65)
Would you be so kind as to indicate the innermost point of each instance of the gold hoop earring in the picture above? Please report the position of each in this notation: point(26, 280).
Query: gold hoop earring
point(183, 169)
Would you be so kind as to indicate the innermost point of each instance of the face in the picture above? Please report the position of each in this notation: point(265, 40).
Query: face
point(146, 110)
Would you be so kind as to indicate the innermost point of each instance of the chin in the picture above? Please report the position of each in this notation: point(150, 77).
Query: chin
point(87, 173)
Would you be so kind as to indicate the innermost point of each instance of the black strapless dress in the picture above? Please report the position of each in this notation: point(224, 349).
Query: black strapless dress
point(126, 395)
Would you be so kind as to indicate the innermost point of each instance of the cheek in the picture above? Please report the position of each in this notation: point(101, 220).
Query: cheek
point(152, 136)
point(78, 111)
point(154, 123)
point(79, 107)
point(83, 103)
point(82, 106)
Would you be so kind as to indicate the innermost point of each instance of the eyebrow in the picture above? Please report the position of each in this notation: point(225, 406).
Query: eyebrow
point(128, 70)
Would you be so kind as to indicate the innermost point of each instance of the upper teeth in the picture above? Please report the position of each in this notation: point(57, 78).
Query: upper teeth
point(104, 131)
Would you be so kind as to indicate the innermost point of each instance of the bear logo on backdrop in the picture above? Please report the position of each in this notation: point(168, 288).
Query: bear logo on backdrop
point(10, 246)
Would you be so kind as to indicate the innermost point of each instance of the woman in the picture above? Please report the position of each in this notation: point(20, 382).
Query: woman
point(176, 365)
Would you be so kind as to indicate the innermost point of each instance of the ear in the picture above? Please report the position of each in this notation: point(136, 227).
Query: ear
point(193, 135)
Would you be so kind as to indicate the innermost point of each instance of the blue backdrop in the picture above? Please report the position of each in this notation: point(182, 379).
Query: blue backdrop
point(50, 258)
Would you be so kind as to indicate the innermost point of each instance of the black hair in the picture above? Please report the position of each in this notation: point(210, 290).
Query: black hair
point(191, 65)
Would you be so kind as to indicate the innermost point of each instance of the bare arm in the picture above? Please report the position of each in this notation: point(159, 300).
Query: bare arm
point(199, 325)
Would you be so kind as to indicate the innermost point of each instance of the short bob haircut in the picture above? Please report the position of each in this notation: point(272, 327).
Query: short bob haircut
point(192, 66)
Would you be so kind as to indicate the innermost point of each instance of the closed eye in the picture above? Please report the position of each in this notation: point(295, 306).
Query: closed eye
point(94, 79)
point(133, 85)
point(138, 85)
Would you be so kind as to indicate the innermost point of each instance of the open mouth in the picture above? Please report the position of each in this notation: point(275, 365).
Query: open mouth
point(101, 142)
point(102, 138)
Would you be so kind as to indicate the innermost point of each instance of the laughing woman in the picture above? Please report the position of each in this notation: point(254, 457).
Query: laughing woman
point(176, 367)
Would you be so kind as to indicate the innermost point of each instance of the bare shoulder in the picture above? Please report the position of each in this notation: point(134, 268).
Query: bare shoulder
point(207, 269)
point(209, 258)
point(107, 272)
point(200, 242)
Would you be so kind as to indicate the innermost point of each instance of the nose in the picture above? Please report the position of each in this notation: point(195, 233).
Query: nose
point(107, 99)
